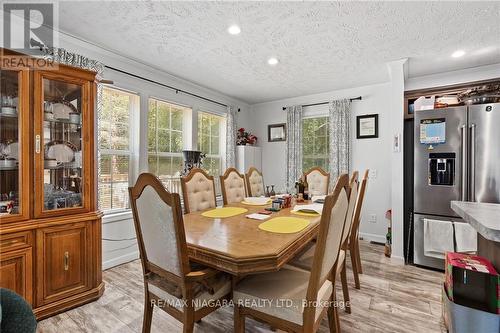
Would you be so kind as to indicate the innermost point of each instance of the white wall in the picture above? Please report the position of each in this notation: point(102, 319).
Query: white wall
point(374, 154)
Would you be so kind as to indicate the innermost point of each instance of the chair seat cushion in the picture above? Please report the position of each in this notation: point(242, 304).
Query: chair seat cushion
point(281, 294)
point(210, 289)
point(304, 260)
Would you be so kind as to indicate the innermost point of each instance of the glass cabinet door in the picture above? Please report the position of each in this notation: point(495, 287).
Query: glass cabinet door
point(14, 144)
point(59, 143)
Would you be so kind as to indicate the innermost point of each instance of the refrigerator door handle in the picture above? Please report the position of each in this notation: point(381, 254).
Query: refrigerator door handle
point(472, 186)
point(463, 194)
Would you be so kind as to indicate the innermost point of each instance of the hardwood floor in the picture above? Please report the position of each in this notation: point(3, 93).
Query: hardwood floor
point(393, 298)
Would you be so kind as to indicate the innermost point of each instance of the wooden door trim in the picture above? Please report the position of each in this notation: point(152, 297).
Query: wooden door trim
point(42, 296)
point(87, 147)
point(27, 254)
point(25, 142)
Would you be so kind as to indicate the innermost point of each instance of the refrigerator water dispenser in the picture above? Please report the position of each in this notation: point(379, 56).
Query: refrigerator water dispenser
point(442, 169)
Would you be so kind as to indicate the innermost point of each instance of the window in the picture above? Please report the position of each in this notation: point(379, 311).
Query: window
point(315, 137)
point(209, 142)
point(165, 141)
point(114, 145)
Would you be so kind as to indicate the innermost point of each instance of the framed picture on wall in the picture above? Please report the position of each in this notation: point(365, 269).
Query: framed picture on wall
point(276, 132)
point(367, 126)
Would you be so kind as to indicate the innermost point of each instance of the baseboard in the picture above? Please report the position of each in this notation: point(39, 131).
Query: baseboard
point(372, 237)
point(120, 260)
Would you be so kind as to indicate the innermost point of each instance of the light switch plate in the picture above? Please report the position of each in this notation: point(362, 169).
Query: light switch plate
point(372, 174)
point(373, 218)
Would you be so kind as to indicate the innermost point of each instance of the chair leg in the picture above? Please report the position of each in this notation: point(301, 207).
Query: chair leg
point(239, 320)
point(148, 314)
point(333, 316)
point(358, 257)
point(188, 327)
point(345, 289)
point(354, 264)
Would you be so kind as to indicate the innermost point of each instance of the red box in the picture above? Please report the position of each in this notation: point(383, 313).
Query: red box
point(472, 281)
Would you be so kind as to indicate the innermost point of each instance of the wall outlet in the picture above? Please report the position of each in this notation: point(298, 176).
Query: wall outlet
point(372, 174)
point(372, 218)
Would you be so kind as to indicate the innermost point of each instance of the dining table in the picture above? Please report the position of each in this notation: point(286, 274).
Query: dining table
point(237, 246)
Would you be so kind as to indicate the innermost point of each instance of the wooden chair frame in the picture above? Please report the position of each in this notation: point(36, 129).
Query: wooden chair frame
point(223, 179)
point(187, 179)
point(323, 172)
point(309, 325)
point(187, 279)
point(354, 235)
point(247, 180)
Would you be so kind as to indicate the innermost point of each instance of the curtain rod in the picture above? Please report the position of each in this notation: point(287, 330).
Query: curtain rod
point(177, 90)
point(359, 98)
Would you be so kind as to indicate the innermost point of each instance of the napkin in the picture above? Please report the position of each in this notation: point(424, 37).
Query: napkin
point(257, 216)
point(312, 208)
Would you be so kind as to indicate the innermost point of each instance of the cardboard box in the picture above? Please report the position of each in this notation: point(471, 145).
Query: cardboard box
point(472, 281)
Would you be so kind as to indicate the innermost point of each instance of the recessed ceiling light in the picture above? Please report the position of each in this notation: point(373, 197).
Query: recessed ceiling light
point(272, 61)
point(458, 54)
point(234, 29)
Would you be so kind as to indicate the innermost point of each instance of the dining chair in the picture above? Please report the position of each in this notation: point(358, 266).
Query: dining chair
point(255, 183)
point(171, 282)
point(305, 260)
point(198, 191)
point(312, 293)
point(317, 181)
point(233, 186)
point(354, 234)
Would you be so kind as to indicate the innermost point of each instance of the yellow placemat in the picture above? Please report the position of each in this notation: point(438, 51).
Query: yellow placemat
point(224, 212)
point(305, 213)
point(255, 204)
point(284, 225)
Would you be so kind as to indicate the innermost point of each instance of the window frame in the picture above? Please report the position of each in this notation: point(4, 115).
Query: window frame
point(132, 115)
point(313, 156)
point(221, 137)
point(186, 112)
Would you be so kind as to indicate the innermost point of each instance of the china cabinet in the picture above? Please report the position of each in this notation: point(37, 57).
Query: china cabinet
point(50, 228)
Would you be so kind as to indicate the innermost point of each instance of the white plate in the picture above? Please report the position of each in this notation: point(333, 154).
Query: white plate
point(61, 153)
point(12, 150)
point(257, 200)
point(61, 111)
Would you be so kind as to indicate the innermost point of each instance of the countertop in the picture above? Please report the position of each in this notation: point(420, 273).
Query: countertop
point(484, 217)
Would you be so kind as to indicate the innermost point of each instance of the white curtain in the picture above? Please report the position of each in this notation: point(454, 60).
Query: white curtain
point(340, 150)
point(231, 137)
point(293, 145)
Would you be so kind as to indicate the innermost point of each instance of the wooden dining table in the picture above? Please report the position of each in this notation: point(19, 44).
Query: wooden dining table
point(237, 246)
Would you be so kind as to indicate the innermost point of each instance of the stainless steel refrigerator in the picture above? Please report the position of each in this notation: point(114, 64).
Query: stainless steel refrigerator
point(457, 157)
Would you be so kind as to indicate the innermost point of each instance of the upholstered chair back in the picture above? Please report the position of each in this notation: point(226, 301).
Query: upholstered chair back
point(159, 226)
point(359, 204)
point(318, 181)
point(330, 236)
point(198, 191)
point(353, 196)
point(233, 186)
point(255, 183)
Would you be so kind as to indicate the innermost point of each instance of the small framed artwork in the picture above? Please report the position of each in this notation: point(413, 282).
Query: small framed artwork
point(276, 132)
point(367, 126)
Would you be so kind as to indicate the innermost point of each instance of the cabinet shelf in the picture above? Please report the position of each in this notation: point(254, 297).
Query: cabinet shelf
point(63, 166)
point(7, 115)
point(13, 168)
point(63, 121)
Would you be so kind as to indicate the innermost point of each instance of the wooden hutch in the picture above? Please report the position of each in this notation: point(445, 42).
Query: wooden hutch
point(50, 227)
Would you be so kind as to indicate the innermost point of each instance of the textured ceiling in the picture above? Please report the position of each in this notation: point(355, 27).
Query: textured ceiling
point(321, 46)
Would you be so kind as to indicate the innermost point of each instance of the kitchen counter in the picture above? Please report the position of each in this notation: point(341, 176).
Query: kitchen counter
point(485, 218)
